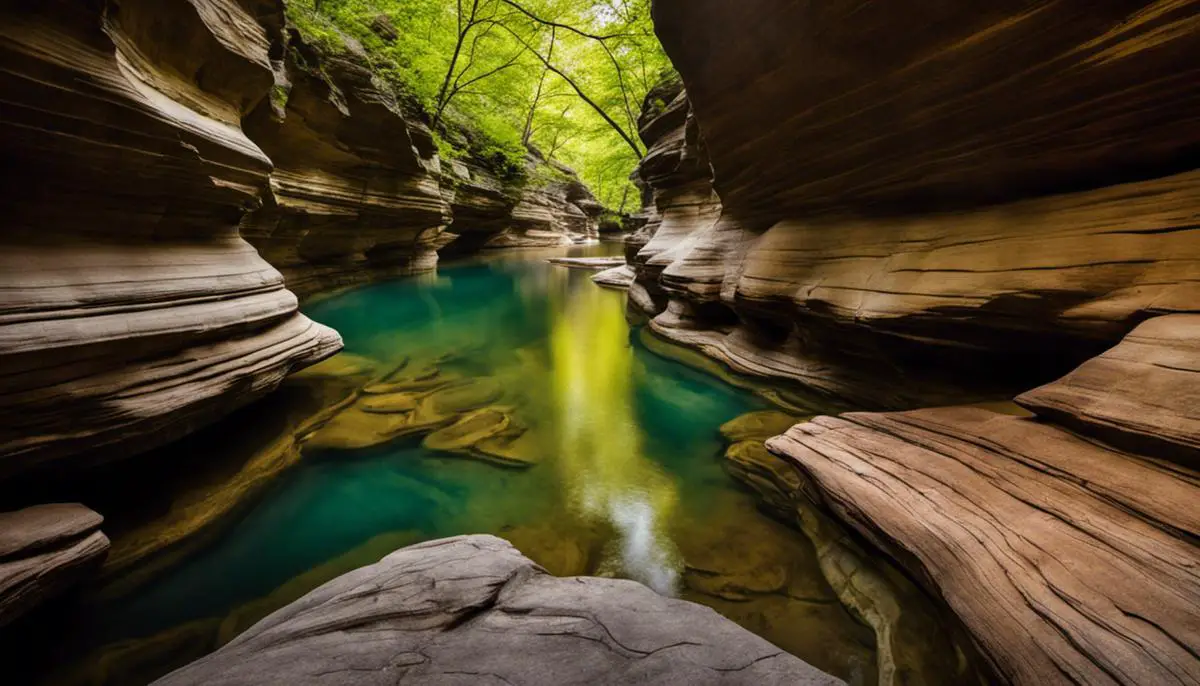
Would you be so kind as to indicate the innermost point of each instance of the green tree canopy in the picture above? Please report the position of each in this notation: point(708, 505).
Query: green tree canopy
point(565, 76)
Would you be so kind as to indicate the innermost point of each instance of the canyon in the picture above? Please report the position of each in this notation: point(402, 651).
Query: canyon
point(997, 195)
point(954, 248)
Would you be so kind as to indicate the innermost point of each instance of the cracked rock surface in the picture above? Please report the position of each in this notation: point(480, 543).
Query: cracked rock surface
point(472, 609)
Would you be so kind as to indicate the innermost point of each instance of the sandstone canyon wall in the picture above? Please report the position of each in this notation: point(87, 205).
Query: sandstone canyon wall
point(131, 311)
point(354, 196)
point(359, 192)
point(1006, 189)
point(150, 148)
point(901, 204)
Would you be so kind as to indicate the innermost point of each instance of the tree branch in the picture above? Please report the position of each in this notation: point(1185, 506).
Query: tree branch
point(583, 96)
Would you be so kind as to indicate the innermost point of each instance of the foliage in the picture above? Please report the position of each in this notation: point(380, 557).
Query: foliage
point(565, 76)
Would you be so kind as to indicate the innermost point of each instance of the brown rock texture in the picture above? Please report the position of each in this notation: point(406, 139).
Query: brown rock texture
point(355, 195)
point(44, 550)
point(1069, 560)
point(131, 311)
point(473, 609)
point(1008, 188)
point(548, 207)
point(1143, 395)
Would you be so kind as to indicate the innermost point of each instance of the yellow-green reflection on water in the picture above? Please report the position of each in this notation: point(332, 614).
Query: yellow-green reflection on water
point(601, 462)
point(623, 475)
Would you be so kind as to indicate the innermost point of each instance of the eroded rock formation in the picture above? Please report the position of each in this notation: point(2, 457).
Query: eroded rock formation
point(131, 311)
point(44, 550)
point(1068, 559)
point(355, 195)
point(996, 190)
point(547, 207)
point(911, 204)
point(473, 608)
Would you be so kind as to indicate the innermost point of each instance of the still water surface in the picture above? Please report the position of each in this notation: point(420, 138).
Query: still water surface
point(626, 479)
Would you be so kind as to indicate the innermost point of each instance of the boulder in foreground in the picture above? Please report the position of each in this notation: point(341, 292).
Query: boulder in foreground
point(472, 609)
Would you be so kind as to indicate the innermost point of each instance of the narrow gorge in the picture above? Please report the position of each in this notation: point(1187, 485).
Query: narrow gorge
point(600, 342)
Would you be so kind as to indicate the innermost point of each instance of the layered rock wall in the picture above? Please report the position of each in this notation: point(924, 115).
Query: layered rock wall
point(1070, 559)
point(549, 207)
point(960, 190)
point(355, 194)
point(918, 202)
point(131, 311)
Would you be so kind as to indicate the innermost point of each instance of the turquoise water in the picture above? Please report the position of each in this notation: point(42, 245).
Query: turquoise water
point(622, 475)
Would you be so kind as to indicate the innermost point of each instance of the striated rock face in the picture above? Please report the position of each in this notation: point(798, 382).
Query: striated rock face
point(1068, 560)
point(474, 609)
point(131, 311)
point(44, 550)
point(1143, 395)
point(550, 207)
point(951, 188)
point(355, 194)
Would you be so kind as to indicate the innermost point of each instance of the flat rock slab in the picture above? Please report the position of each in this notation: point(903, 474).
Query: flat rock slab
point(619, 278)
point(473, 610)
point(44, 550)
point(596, 263)
point(1143, 395)
point(1069, 562)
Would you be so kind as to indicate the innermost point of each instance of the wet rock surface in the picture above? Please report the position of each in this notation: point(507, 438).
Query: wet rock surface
point(474, 608)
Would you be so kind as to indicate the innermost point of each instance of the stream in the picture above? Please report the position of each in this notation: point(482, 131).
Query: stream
point(608, 462)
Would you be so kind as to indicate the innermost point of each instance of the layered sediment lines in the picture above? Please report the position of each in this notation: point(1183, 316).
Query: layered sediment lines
point(1070, 560)
point(900, 206)
point(989, 186)
point(355, 195)
point(551, 207)
point(44, 550)
point(131, 311)
point(474, 609)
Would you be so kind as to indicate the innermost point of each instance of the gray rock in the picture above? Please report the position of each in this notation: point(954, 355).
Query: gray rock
point(44, 550)
point(473, 610)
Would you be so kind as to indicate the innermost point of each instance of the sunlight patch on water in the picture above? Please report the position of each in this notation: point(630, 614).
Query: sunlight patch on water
point(600, 458)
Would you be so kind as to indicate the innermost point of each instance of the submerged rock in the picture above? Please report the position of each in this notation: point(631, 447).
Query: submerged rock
point(467, 431)
point(445, 404)
point(515, 447)
point(45, 550)
point(759, 425)
point(474, 609)
point(355, 428)
point(390, 403)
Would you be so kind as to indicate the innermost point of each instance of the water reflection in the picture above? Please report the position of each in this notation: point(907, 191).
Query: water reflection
point(600, 460)
point(612, 466)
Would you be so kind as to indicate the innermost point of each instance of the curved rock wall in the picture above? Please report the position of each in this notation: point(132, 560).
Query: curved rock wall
point(131, 311)
point(144, 145)
point(354, 195)
point(359, 192)
point(953, 188)
point(550, 207)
